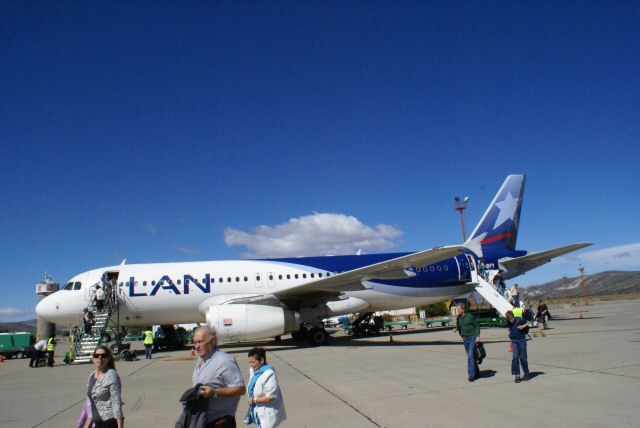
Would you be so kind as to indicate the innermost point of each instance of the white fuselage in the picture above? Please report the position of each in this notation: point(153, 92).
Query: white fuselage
point(173, 293)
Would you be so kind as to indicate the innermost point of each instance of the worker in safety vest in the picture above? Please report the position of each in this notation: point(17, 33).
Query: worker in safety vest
point(517, 312)
point(51, 348)
point(148, 343)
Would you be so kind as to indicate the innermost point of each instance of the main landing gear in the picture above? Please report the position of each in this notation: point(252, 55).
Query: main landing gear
point(316, 336)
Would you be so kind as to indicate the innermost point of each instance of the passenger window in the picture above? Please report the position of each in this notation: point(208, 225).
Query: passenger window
point(153, 283)
point(270, 277)
point(221, 279)
point(304, 275)
point(144, 282)
point(319, 274)
point(279, 276)
point(228, 279)
point(246, 278)
point(296, 276)
point(288, 276)
point(77, 286)
point(311, 275)
point(213, 280)
point(179, 281)
point(237, 279)
point(257, 278)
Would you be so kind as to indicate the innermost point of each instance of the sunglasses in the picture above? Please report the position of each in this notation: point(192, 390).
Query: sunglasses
point(101, 356)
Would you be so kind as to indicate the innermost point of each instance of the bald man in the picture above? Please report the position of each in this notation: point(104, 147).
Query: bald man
point(220, 376)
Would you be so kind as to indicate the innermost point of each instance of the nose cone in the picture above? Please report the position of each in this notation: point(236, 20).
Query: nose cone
point(45, 309)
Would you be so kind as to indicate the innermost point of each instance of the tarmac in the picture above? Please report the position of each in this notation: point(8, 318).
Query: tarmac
point(586, 373)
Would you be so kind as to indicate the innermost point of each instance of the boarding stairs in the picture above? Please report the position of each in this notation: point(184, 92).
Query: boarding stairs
point(84, 345)
point(488, 291)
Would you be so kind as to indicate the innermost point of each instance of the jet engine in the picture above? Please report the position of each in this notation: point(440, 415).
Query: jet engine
point(243, 322)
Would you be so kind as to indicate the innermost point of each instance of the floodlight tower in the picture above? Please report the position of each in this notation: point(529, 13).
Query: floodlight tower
point(461, 205)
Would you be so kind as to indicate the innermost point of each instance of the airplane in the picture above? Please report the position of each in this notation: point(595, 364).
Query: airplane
point(247, 300)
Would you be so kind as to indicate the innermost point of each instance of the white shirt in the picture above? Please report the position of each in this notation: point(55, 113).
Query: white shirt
point(271, 414)
point(41, 345)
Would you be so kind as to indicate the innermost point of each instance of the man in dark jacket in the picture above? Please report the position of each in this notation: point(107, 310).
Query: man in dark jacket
point(194, 413)
point(469, 328)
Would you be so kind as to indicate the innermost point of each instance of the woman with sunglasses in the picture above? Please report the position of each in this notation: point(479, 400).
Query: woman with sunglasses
point(104, 391)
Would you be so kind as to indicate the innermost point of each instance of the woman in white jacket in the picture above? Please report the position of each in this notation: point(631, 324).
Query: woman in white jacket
point(266, 405)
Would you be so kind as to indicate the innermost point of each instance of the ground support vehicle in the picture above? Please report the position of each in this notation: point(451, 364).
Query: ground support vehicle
point(17, 345)
point(389, 325)
point(434, 322)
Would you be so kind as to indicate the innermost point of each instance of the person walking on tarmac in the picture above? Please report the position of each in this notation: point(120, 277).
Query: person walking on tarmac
point(468, 327)
point(51, 349)
point(518, 329)
point(148, 343)
point(219, 376)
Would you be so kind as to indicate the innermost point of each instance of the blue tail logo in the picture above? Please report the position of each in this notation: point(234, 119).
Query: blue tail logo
point(497, 231)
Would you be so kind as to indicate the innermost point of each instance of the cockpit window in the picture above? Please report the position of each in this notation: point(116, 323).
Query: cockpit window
point(69, 286)
point(77, 286)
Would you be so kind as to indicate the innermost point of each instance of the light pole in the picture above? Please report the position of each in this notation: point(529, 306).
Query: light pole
point(461, 205)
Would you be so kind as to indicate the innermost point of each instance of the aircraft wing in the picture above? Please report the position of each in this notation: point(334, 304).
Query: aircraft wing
point(390, 269)
point(520, 265)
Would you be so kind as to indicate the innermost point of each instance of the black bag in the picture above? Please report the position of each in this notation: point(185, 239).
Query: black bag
point(479, 352)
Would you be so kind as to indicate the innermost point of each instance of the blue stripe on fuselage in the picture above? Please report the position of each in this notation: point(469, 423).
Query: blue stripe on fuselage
point(441, 274)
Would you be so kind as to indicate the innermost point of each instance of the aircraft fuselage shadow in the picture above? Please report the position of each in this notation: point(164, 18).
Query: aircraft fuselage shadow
point(554, 319)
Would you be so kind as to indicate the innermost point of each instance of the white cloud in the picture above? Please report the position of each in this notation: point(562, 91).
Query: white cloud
point(620, 257)
point(313, 235)
point(10, 312)
point(187, 250)
point(152, 229)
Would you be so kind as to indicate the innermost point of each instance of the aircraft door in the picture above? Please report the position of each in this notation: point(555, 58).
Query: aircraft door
point(472, 267)
point(258, 279)
point(87, 291)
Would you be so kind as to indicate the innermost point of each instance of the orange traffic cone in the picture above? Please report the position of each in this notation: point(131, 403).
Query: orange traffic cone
point(390, 337)
point(510, 347)
point(1, 358)
point(193, 354)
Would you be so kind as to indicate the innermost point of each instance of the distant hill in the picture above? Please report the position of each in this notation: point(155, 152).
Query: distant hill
point(603, 283)
point(9, 327)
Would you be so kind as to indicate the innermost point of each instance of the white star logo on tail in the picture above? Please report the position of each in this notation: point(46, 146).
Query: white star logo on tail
point(507, 210)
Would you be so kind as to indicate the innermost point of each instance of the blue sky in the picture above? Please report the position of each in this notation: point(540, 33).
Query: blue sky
point(159, 131)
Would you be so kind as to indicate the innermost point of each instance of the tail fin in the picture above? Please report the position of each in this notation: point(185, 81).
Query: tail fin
point(497, 231)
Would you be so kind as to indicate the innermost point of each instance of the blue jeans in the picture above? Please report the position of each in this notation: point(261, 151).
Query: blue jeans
point(147, 351)
point(469, 344)
point(519, 348)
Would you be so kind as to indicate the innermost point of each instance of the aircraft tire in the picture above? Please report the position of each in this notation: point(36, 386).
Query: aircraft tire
point(19, 355)
point(318, 336)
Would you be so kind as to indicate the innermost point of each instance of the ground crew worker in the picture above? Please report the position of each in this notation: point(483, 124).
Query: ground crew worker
point(51, 348)
point(38, 350)
point(517, 312)
point(148, 343)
